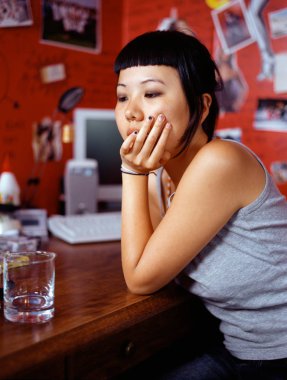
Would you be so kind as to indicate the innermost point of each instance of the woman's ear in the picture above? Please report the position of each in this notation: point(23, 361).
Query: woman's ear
point(206, 105)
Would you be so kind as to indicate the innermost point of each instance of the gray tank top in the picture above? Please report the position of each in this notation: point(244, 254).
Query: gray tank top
point(241, 276)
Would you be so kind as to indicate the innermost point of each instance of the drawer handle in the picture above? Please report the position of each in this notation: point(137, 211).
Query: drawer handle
point(130, 349)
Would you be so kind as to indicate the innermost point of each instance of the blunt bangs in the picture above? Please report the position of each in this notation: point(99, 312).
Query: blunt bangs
point(152, 48)
point(171, 48)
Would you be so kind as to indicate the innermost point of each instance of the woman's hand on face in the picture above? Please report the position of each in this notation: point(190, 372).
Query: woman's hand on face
point(145, 150)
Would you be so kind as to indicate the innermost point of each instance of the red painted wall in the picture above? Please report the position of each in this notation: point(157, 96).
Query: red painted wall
point(21, 58)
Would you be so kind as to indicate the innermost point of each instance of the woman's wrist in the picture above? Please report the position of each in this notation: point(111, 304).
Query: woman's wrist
point(133, 172)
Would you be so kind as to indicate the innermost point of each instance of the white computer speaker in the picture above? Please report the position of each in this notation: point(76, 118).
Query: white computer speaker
point(81, 181)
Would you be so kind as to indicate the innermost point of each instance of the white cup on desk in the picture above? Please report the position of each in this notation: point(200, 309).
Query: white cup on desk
point(29, 286)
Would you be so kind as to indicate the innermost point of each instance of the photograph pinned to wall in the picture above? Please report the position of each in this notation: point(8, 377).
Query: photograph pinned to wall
point(278, 23)
point(72, 24)
point(271, 115)
point(232, 26)
point(53, 73)
point(234, 133)
point(279, 171)
point(280, 73)
point(15, 13)
point(47, 141)
point(233, 95)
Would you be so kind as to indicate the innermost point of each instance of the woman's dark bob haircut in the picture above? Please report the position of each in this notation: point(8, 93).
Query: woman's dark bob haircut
point(197, 71)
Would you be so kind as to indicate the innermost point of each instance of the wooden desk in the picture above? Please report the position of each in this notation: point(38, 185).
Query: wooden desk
point(99, 328)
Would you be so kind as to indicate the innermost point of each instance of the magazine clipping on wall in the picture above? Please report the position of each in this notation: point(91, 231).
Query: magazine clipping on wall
point(15, 13)
point(72, 24)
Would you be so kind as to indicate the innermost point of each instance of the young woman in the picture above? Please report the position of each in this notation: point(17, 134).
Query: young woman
point(200, 210)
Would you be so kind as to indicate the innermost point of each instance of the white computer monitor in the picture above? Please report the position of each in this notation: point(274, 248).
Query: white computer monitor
point(97, 137)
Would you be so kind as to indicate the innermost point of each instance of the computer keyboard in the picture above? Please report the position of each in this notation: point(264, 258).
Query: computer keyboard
point(86, 228)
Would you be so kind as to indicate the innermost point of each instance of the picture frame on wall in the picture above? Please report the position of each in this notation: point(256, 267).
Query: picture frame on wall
point(232, 26)
point(15, 13)
point(72, 24)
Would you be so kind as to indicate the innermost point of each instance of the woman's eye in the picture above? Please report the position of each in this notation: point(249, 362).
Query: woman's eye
point(152, 94)
point(121, 98)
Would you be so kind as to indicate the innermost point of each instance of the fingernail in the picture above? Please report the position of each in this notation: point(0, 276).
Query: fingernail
point(168, 126)
point(161, 117)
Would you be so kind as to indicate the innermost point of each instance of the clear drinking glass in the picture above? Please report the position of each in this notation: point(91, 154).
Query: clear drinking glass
point(29, 286)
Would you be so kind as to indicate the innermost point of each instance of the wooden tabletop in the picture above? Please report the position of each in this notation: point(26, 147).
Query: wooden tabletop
point(91, 302)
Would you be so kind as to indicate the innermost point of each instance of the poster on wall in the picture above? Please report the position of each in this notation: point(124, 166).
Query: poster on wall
point(15, 13)
point(232, 26)
point(73, 24)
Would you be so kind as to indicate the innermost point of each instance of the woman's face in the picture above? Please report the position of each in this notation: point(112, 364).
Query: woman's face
point(144, 91)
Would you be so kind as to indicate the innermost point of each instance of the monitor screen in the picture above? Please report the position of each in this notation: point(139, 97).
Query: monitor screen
point(97, 137)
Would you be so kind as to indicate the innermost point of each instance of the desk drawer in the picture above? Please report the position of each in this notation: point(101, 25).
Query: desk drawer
point(51, 370)
point(116, 353)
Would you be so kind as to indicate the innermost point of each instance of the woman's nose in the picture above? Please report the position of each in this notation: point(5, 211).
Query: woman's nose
point(133, 113)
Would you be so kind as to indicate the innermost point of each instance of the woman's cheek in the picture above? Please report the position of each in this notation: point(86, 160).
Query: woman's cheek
point(171, 142)
point(174, 138)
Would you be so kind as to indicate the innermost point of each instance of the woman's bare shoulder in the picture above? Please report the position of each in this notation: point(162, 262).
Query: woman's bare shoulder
point(221, 149)
point(227, 155)
point(233, 165)
point(218, 155)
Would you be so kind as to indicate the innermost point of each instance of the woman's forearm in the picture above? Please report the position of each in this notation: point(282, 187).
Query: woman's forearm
point(136, 222)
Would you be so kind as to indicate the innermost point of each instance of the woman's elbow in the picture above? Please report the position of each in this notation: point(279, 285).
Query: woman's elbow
point(140, 288)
